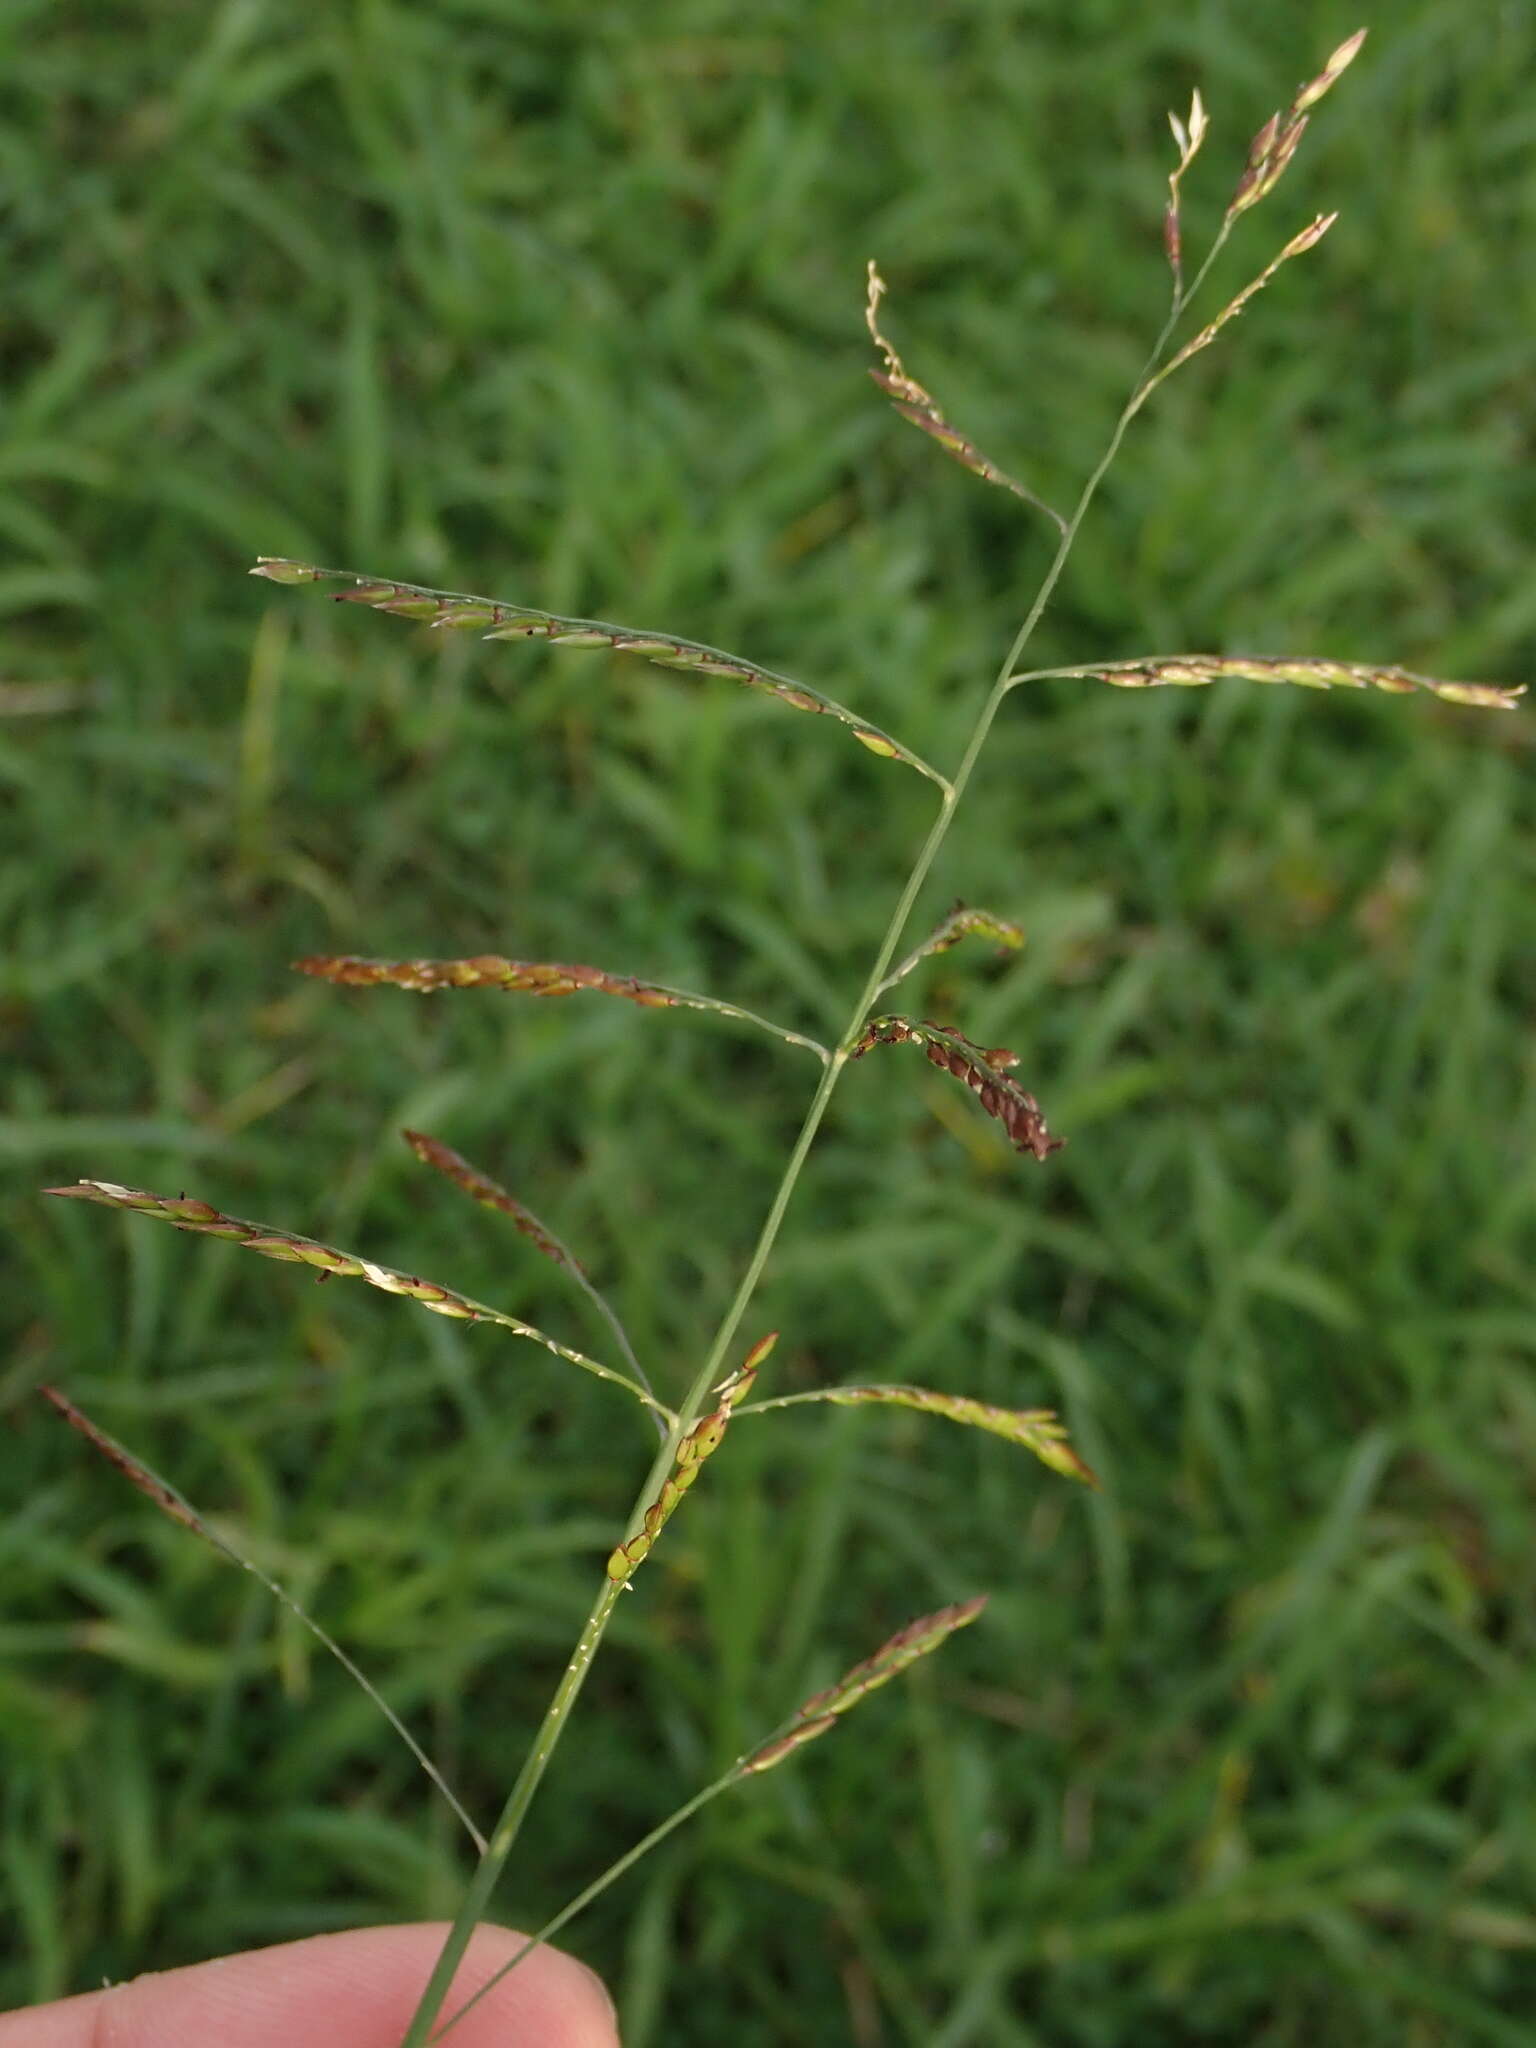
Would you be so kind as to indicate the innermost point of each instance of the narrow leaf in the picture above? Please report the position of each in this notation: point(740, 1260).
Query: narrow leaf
point(285, 1245)
point(922, 409)
point(982, 1069)
point(918, 1639)
point(497, 620)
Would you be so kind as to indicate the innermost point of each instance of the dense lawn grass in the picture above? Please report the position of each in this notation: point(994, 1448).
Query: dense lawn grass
point(563, 302)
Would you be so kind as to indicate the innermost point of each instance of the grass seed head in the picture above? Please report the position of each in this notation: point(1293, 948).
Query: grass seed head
point(1310, 672)
point(982, 1069)
point(918, 1639)
point(923, 410)
point(1036, 1429)
point(497, 620)
point(1277, 141)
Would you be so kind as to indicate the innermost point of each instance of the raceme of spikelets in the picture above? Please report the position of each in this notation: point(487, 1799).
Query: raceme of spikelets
point(820, 1714)
point(462, 611)
point(983, 1069)
point(1276, 142)
point(922, 409)
point(1309, 672)
point(701, 1442)
point(486, 970)
point(1036, 1429)
point(960, 921)
point(532, 977)
point(490, 1194)
point(186, 1213)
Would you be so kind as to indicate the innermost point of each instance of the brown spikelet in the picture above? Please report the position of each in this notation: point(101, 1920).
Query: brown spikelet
point(490, 1195)
point(1311, 672)
point(154, 1488)
point(918, 1639)
point(456, 610)
point(922, 409)
point(983, 1069)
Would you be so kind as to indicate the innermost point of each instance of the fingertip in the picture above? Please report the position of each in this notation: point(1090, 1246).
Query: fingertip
point(352, 1990)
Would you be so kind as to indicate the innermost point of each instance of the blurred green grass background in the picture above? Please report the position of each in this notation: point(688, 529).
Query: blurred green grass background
point(564, 303)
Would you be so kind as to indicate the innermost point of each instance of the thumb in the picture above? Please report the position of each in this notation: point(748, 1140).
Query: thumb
point(353, 1990)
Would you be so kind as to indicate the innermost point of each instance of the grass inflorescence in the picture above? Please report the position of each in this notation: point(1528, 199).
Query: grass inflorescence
point(1178, 968)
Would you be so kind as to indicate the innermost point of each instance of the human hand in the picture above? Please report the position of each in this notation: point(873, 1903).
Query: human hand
point(353, 1990)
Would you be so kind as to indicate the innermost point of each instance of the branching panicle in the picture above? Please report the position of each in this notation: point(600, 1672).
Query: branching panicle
point(694, 1431)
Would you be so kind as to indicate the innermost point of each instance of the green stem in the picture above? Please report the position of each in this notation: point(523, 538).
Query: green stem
point(558, 1712)
point(596, 1888)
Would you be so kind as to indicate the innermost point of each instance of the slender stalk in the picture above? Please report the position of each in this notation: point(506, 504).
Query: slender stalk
point(596, 1888)
point(504, 1835)
point(687, 1000)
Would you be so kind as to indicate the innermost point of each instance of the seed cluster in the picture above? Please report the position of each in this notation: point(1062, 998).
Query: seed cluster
point(701, 1442)
point(918, 1639)
point(458, 611)
point(981, 1068)
point(485, 970)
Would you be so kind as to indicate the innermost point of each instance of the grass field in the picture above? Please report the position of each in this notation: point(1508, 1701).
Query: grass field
point(564, 303)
